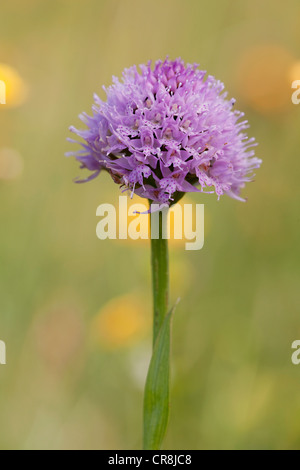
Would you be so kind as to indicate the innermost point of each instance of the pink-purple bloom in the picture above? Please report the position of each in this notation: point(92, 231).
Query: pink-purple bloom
point(168, 131)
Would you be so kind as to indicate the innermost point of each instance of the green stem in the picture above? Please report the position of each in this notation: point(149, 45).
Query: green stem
point(156, 400)
point(160, 275)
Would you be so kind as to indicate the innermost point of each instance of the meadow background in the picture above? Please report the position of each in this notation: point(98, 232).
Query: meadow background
point(75, 312)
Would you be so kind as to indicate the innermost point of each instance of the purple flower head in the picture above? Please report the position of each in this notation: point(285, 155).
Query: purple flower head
point(168, 131)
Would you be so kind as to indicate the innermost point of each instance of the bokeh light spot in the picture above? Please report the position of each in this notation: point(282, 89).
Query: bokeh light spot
point(263, 79)
point(16, 88)
point(11, 164)
point(121, 322)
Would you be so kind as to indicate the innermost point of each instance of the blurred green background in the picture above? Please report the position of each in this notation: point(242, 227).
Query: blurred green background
point(75, 312)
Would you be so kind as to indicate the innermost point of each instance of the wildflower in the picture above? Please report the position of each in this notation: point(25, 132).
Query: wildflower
point(168, 131)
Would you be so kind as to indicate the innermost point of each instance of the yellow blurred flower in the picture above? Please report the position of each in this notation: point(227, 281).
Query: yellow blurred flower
point(145, 227)
point(263, 78)
point(16, 90)
point(120, 322)
point(294, 71)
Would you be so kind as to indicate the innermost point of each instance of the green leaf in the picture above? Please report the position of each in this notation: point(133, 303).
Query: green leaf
point(156, 401)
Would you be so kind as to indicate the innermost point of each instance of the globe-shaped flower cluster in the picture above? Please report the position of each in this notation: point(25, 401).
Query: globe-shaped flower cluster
point(167, 131)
